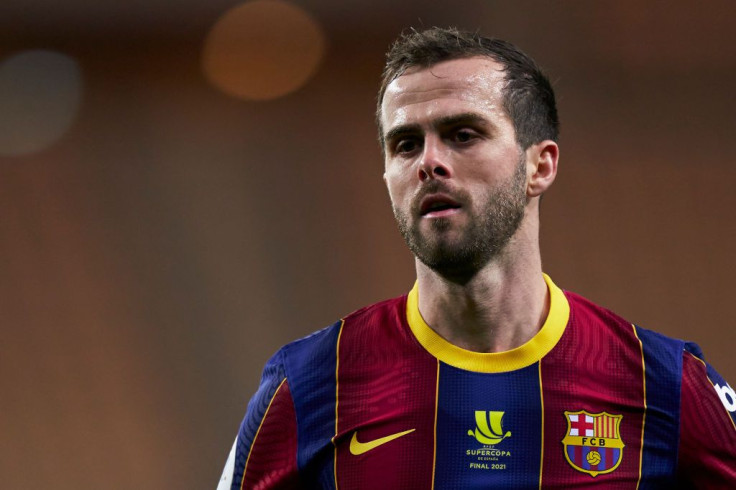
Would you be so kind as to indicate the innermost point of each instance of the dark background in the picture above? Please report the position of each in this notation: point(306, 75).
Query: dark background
point(173, 237)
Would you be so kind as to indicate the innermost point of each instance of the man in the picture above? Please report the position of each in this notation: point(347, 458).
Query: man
point(486, 375)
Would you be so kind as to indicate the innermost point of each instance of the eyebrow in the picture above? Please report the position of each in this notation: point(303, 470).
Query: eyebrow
point(445, 121)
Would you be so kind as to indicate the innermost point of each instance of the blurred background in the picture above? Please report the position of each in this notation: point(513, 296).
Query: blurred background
point(185, 186)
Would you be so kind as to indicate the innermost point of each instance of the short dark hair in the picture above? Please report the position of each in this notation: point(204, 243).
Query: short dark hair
point(528, 97)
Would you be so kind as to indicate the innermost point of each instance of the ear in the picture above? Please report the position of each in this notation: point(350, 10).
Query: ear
point(541, 160)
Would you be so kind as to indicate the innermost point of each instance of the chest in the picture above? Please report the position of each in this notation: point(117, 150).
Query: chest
point(430, 425)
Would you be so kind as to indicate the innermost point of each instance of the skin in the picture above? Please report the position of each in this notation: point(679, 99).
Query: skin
point(448, 137)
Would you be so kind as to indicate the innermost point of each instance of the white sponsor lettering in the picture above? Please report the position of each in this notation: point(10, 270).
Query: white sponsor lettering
point(728, 397)
point(226, 479)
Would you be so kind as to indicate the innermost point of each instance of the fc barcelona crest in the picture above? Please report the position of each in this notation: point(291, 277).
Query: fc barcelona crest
point(593, 442)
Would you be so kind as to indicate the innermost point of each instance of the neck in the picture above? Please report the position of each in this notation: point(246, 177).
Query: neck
point(499, 308)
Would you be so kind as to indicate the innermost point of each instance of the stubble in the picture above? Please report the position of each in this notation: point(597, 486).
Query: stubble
point(486, 233)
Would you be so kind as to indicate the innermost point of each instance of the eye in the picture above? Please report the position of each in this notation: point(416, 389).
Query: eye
point(405, 146)
point(464, 135)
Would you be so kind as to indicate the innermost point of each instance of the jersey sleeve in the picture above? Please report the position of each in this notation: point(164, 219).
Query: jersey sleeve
point(707, 449)
point(264, 453)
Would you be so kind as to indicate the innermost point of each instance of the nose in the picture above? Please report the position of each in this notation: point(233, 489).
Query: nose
point(433, 163)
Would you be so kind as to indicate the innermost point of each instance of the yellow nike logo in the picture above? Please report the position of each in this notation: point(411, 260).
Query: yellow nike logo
point(357, 447)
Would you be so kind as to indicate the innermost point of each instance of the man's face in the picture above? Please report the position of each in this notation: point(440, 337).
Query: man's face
point(455, 174)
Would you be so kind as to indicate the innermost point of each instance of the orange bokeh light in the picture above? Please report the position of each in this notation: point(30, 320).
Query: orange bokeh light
point(262, 50)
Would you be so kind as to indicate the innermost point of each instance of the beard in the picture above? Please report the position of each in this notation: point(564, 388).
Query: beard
point(485, 235)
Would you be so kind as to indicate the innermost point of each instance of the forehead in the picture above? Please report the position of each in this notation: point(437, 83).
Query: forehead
point(464, 85)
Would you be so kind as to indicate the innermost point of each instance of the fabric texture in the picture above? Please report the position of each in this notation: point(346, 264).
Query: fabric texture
point(378, 401)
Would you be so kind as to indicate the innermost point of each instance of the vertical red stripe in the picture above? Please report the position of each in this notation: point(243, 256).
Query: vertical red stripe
point(386, 385)
point(706, 449)
point(272, 457)
point(594, 386)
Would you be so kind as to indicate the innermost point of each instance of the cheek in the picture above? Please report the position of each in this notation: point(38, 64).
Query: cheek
point(480, 195)
point(396, 184)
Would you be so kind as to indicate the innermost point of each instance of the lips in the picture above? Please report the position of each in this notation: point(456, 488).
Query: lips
point(437, 205)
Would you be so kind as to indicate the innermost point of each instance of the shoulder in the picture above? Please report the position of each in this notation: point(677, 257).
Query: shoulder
point(585, 313)
point(320, 347)
point(610, 336)
point(393, 309)
point(700, 376)
point(669, 358)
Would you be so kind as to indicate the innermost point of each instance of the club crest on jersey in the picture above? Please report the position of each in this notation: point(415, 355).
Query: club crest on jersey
point(593, 443)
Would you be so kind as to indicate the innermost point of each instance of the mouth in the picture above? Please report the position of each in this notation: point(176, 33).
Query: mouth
point(437, 206)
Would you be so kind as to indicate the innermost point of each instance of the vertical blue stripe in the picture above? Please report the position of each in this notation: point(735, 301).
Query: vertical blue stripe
point(586, 451)
point(663, 377)
point(463, 461)
point(310, 368)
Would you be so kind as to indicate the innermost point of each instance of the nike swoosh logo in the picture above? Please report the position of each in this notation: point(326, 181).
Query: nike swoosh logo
point(357, 447)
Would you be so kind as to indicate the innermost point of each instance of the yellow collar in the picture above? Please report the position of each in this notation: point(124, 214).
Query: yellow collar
point(494, 362)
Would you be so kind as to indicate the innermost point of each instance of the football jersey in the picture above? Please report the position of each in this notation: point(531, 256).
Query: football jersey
point(379, 400)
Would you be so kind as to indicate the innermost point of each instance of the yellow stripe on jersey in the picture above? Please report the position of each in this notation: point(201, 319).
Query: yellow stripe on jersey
point(541, 445)
point(337, 396)
point(436, 408)
point(644, 397)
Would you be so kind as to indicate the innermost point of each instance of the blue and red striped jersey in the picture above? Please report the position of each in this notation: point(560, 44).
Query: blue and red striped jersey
point(379, 400)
